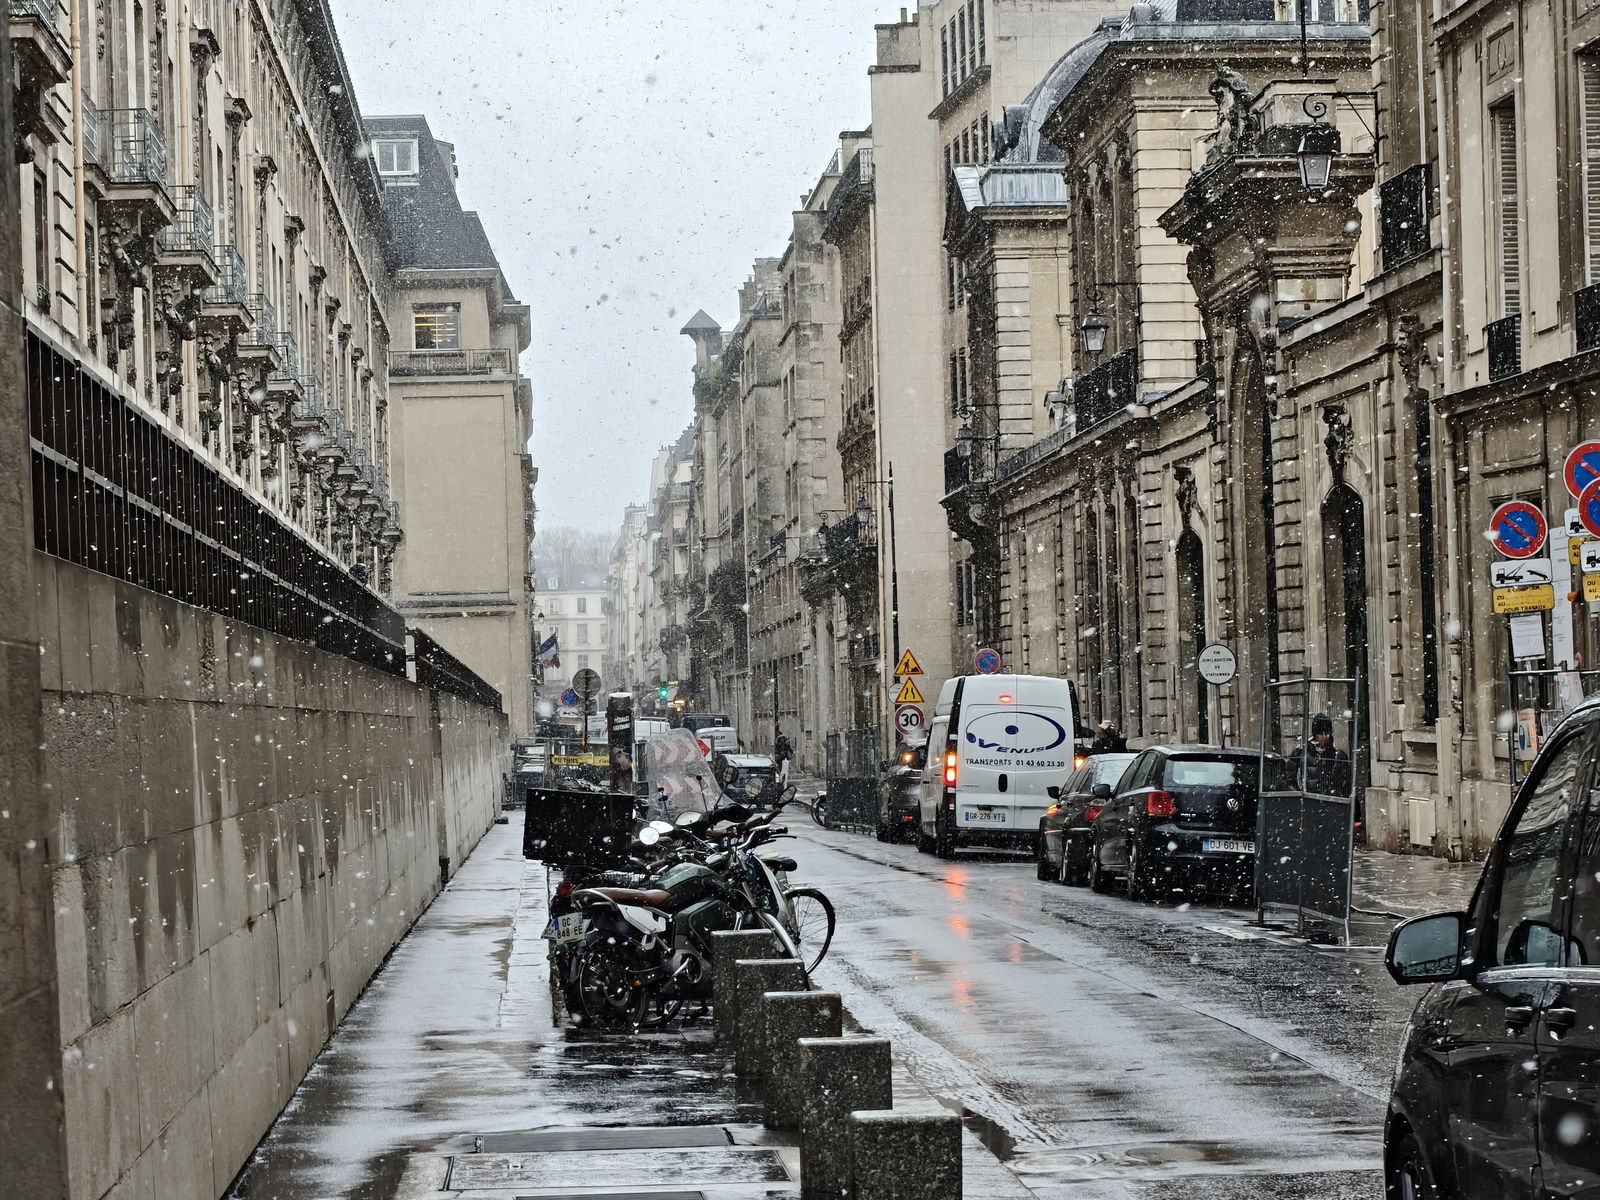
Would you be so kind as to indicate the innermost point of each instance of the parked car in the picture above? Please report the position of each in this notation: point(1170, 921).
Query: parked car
point(1497, 1089)
point(1066, 831)
point(1184, 821)
point(741, 775)
point(900, 792)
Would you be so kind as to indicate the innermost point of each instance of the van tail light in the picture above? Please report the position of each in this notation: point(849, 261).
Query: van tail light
point(950, 768)
point(1160, 804)
point(1091, 812)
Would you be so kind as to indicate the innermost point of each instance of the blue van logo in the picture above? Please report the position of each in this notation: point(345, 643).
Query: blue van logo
point(1016, 732)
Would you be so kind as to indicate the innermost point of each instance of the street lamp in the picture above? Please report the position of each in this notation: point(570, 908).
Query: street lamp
point(1317, 147)
point(1094, 327)
point(964, 439)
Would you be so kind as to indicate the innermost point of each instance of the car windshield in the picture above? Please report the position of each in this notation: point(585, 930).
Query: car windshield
point(1108, 768)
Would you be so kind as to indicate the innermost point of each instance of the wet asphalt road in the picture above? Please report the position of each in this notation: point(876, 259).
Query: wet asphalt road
point(1111, 1049)
point(1101, 1048)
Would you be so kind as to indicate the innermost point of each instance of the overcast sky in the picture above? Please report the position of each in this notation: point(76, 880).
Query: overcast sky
point(629, 158)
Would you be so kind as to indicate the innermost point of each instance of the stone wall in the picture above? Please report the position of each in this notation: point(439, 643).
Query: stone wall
point(245, 826)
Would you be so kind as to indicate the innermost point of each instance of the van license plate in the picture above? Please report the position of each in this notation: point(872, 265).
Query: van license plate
point(1228, 845)
point(568, 927)
point(978, 816)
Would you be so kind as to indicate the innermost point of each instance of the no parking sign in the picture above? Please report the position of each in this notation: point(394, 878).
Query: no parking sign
point(1582, 467)
point(1518, 528)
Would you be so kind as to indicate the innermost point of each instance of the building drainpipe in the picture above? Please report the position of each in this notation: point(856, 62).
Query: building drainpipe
point(78, 225)
point(1453, 715)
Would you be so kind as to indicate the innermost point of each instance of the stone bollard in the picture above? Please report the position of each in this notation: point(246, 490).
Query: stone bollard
point(727, 947)
point(838, 1076)
point(905, 1155)
point(752, 979)
point(790, 1017)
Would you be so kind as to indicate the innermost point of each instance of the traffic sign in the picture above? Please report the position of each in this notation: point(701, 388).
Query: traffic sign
point(586, 682)
point(1582, 467)
point(1591, 589)
point(1589, 508)
point(1520, 572)
point(909, 694)
point(908, 665)
point(1217, 664)
point(1518, 529)
point(907, 718)
point(1524, 599)
point(1589, 557)
point(986, 661)
point(570, 699)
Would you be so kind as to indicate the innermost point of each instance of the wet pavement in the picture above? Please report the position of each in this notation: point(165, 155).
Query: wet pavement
point(1111, 1049)
point(1099, 1048)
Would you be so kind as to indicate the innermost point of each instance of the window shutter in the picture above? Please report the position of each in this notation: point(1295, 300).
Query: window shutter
point(1505, 130)
point(1589, 76)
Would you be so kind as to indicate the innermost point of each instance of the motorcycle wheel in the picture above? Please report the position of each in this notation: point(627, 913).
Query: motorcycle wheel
point(610, 993)
point(813, 925)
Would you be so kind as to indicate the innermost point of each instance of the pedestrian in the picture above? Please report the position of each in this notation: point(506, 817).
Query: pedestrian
point(1324, 768)
point(783, 752)
point(1107, 740)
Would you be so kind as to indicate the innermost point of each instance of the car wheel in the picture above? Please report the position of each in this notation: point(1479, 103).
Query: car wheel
point(1406, 1173)
point(924, 842)
point(883, 832)
point(1138, 884)
point(1073, 874)
point(1041, 862)
point(1099, 879)
point(944, 842)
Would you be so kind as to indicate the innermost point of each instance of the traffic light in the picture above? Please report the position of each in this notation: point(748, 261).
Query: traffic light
point(661, 694)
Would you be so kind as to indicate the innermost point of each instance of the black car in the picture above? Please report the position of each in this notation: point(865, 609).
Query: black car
point(1184, 821)
point(1497, 1092)
point(900, 794)
point(1066, 831)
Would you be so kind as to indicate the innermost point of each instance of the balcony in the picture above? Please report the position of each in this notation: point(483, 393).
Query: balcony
point(853, 192)
point(126, 157)
point(1405, 204)
point(1107, 390)
point(288, 356)
point(185, 247)
point(957, 470)
point(43, 60)
point(1586, 316)
point(493, 361)
point(1505, 346)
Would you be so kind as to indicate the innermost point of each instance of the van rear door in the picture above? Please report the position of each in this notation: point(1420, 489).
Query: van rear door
point(1011, 753)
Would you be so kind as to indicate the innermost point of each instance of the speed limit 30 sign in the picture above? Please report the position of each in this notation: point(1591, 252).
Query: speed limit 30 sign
point(907, 717)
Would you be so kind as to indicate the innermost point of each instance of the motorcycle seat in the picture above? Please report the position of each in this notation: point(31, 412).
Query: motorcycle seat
point(652, 897)
point(779, 862)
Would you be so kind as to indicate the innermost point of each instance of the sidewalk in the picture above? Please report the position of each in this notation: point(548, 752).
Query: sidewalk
point(1400, 886)
point(454, 1076)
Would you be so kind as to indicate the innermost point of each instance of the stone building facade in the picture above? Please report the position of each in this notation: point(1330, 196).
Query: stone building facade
point(462, 417)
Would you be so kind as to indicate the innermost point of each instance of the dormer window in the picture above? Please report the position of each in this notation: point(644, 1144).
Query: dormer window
point(395, 156)
point(437, 326)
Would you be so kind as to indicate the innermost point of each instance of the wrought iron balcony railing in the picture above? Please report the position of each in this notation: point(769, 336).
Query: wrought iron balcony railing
point(1405, 204)
point(191, 228)
point(32, 10)
point(855, 183)
point(492, 361)
point(956, 470)
point(1106, 390)
point(233, 281)
point(263, 320)
point(125, 143)
point(288, 355)
point(1586, 316)
point(1505, 346)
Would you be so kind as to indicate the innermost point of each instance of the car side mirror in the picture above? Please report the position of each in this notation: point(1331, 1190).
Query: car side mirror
point(884, 764)
point(1534, 944)
point(1053, 792)
point(1101, 791)
point(1426, 949)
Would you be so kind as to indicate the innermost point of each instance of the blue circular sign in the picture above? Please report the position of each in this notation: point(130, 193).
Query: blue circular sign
point(1582, 467)
point(1589, 507)
point(987, 661)
point(1518, 529)
point(569, 698)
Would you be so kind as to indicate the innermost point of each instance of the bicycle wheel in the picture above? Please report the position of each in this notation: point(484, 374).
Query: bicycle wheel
point(819, 811)
point(813, 924)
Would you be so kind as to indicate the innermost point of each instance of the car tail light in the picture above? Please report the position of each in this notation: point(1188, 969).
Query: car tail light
point(1160, 804)
point(565, 888)
point(1091, 812)
point(950, 768)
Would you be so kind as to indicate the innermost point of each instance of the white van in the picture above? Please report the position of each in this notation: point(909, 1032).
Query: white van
point(995, 744)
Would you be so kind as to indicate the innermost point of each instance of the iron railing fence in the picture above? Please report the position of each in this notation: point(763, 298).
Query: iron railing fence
point(191, 228)
point(233, 280)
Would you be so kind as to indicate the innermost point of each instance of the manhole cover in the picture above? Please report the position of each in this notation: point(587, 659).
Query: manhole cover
point(633, 1138)
point(615, 1168)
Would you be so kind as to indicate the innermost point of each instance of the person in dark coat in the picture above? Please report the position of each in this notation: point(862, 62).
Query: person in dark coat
point(1324, 768)
point(782, 751)
point(1108, 740)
